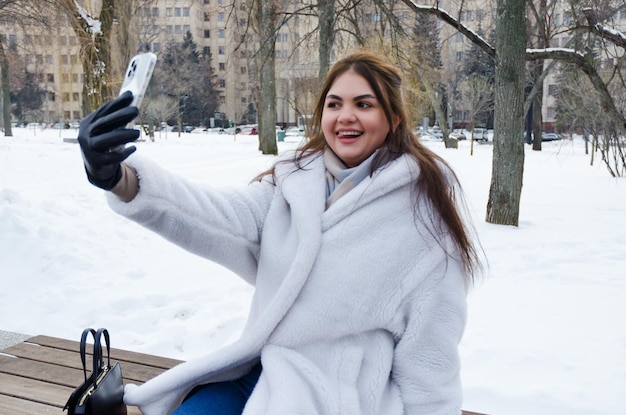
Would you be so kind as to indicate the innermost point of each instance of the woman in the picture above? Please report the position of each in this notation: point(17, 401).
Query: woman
point(359, 258)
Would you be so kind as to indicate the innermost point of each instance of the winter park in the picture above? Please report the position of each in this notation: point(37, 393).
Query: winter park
point(524, 99)
point(543, 335)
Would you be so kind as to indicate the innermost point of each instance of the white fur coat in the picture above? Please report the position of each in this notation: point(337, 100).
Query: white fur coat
point(357, 309)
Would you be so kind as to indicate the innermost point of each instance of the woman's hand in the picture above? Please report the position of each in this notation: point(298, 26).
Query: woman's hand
point(102, 137)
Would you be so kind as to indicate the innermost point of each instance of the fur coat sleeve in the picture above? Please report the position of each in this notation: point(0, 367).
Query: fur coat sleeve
point(358, 308)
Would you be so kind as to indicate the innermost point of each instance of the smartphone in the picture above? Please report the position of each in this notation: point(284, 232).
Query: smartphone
point(136, 80)
point(137, 76)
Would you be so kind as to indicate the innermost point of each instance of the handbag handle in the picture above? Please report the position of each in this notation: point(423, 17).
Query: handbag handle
point(98, 363)
point(83, 347)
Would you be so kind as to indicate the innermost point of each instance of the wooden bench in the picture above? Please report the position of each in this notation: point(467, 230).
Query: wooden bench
point(38, 375)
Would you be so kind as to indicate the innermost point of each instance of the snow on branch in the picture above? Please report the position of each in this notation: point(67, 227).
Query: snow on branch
point(93, 25)
point(603, 31)
point(450, 20)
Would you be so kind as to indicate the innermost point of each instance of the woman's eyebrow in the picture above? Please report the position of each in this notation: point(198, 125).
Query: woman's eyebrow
point(357, 98)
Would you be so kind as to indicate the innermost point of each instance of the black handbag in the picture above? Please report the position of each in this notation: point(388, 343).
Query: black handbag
point(102, 392)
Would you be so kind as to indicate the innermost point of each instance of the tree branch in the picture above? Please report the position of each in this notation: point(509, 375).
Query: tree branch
point(585, 65)
point(604, 32)
point(448, 19)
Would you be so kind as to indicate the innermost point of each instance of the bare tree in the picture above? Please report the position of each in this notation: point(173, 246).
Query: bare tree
point(23, 13)
point(266, 12)
point(508, 148)
point(476, 93)
point(94, 35)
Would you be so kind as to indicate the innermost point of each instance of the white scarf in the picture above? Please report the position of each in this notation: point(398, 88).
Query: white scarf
point(340, 179)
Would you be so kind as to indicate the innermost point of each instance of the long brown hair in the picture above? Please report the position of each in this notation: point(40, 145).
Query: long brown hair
point(436, 182)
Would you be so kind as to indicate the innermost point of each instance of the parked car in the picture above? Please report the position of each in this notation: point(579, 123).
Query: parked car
point(249, 130)
point(429, 137)
point(294, 131)
point(232, 130)
point(458, 135)
point(480, 134)
point(436, 131)
point(551, 137)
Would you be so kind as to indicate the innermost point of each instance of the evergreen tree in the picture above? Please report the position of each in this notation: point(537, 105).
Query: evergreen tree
point(28, 98)
point(202, 101)
point(186, 75)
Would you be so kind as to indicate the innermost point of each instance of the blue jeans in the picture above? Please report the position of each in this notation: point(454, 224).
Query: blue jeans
point(222, 398)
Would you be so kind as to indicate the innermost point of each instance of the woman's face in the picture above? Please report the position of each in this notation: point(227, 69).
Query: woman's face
point(353, 121)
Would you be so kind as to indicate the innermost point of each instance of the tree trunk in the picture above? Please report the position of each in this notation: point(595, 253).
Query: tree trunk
point(508, 147)
point(96, 53)
point(6, 92)
point(326, 9)
point(537, 68)
point(267, 107)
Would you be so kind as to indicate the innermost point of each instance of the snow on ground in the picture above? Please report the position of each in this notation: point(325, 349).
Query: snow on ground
point(546, 332)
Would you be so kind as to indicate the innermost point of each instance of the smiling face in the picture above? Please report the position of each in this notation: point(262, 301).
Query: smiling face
point(353, 120)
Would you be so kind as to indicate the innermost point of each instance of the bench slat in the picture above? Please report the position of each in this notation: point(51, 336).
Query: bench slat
point(64, 358)
point(34, 390)
point(16, 406)
point(117, 354)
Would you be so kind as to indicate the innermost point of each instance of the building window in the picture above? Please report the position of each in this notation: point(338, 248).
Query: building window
point(178, 29)
point(177, 11)
point(221, 83)
point(222, 66)
point(186, 28)
point(186, 11)
point(50, 77)
point(244, 100)
point(168, 11)
point(155, 11)
point(66, 98)
point(207, 17)
point(64, 60)
point(75, 97)
point(65, 78)
point(243, 70)
point(207, 34)
point(220, 17)
point(206, 50)
point(221, 33)
point(51, 97)
point(221, 50)
point(156, 47)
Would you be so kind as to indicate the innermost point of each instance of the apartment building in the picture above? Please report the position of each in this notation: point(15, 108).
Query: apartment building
point(226, 30)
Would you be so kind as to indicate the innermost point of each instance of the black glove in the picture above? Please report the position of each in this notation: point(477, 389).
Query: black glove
point(102, 136)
